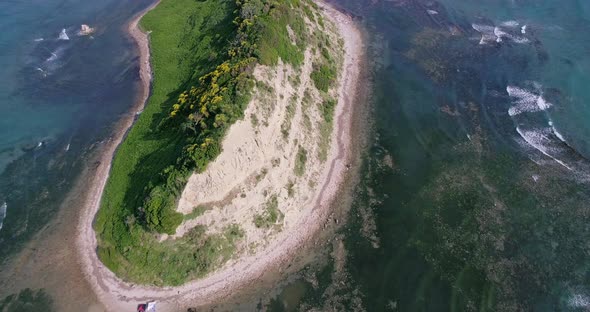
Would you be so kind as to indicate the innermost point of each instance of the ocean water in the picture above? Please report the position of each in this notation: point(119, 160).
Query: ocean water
point(474, 193)
point(60, 95)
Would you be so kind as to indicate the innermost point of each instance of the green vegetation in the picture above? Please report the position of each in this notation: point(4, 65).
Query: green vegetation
point(300, 161)
point(203, 54)
point(197, 212)
point(271, 214)
point(323, 76)
point(327, 110)
point(261, 175)
point(290, 189)
point(286, 125)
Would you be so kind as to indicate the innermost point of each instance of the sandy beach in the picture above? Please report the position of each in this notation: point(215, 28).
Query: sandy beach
point(117, 295)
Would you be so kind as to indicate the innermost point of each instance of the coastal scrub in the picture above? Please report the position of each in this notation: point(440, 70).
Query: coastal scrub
point(203, 55)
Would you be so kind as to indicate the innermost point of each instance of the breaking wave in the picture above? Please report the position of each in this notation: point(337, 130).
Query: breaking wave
point(498, 34)
point(2, 214)
point(541, 140)
point(510, 24)
point(557, 134)
point(579, 301)
point(52, 58)
point(63, 35)
point(526, 101)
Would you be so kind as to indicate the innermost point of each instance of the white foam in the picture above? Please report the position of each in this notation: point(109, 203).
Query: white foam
point(483, 28)
point(539, 140)
point(486, 31)
point(3, 209)
point(558, 135)
point(526, 101)
point(520, 40)
point(579, 301)
point(63, 35)
point(432, 12)
point(497, 34)
point(52, 58)
point(510, 24)
point(523, 29)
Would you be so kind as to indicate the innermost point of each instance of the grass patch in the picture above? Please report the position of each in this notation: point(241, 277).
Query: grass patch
point(197, 212)
point(300, 161)
point(290, 113)
point(323, 76)
point(254, 120)
point(326, 125)
point(291, 189)
point(271, 214)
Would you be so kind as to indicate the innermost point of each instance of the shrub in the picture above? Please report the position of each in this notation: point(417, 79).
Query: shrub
point(323, 77)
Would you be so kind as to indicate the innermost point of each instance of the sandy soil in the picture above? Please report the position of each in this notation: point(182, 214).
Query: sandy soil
point(310, 206)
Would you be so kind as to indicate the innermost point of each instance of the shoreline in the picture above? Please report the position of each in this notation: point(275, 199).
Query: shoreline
point(117, 295)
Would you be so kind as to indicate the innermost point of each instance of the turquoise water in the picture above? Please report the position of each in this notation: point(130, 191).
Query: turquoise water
point(60, 95)
point(474, 193)
point(474, 188)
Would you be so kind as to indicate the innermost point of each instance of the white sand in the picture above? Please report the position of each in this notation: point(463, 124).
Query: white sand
point(246, 154)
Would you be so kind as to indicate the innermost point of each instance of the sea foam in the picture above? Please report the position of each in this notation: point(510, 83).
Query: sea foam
point(526, 101)
point(2, 214)
point(497, 34)
point(541, 141)
point(63, 35)
point(579, 301)
point(510, 24)
point(486, 31)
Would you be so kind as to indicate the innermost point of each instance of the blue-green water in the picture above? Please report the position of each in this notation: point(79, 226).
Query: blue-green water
point(474, 187)
point(60, 95)
point(474, 192)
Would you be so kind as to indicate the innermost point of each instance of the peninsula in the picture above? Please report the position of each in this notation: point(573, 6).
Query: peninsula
point(236, 157)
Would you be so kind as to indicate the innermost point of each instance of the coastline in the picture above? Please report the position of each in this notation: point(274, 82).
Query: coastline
point(86, 238)
point(117, 295)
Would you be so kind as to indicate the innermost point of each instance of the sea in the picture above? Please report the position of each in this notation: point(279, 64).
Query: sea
point(61, 94)
point(473, 190)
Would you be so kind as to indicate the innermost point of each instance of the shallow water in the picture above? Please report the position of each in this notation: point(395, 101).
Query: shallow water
point(475, 189)
point(60, 95)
